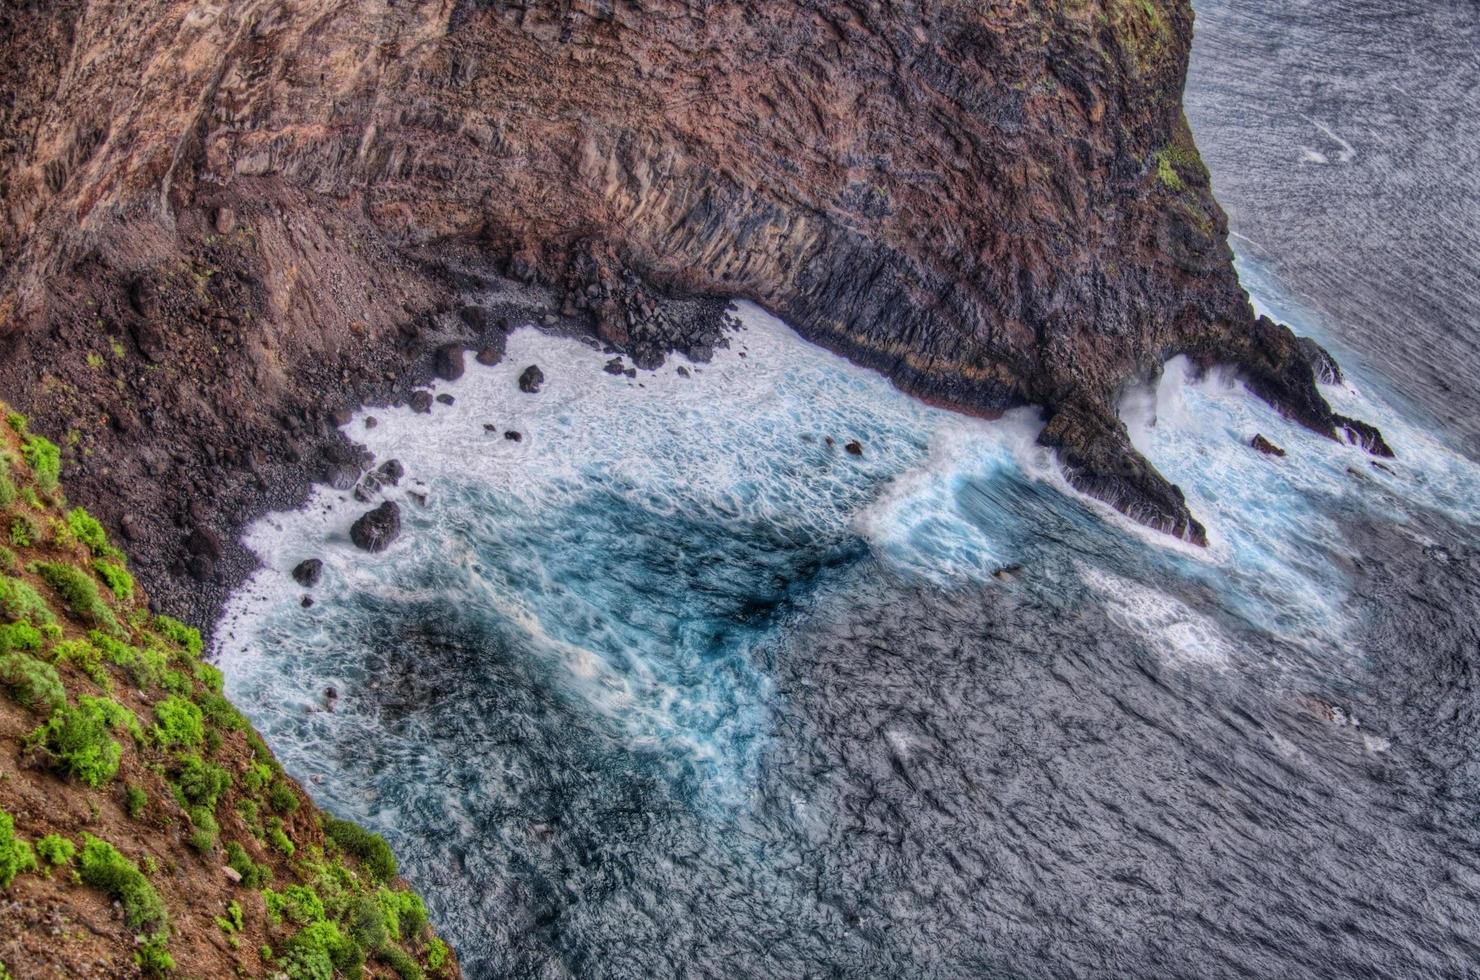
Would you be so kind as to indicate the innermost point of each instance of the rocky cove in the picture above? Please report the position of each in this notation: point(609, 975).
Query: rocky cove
point(297, 220)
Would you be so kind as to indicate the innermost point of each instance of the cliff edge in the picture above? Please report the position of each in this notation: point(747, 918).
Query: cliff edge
point(222, 223)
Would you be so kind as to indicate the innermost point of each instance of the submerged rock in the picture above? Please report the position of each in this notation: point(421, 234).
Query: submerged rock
point(308, 572)
point(445, 399)
point(513, 436)
point(1266, 447)
point(376, 530)
point(531, 380)
point(854, 448)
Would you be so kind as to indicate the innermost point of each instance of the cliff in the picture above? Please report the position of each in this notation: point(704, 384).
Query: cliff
point(145, 828)
point(222, 223)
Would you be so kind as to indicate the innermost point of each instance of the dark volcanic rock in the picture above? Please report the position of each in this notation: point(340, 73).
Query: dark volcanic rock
point(447, 363)
point(204, 541)
point(531, 380)
point(342, 476)
point(513, 436)
point(391, 471)
point(854, 448)
point(307, 572)
point(445, 399)
point(421, 401)
point(489, 356)
point(377, 529)
point(1266, 447)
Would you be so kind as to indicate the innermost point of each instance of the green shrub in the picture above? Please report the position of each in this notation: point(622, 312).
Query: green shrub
point(79, 592)
point(23, 531)
point(399, 960)
point(254, 875)
point(116, 578)
point(32, 683)
point(279, 839)
point(180, 723)
point(88, 658)
point(257, 776)
point(203, 838)
point(76, 739)
point(19, 636)
point(45, 460)
point(233, 921)
point(185, 636)
point(102, 867)
point(246, 808)
point(202, 783)
point(15, 854)
point(153, 956)
point(8, 561)
point(135, 801)
point(56, 850)
point(437, 953)
point(282, 798)
point(16, 421)
point(88, 531)
point(211, 676)
point(369, 847)
point(318, 950)
point(7, 488)
point(411, 911)
point(19, 603)
point(298, 904)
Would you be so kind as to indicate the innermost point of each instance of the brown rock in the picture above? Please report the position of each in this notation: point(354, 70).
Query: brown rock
point(1266, 447)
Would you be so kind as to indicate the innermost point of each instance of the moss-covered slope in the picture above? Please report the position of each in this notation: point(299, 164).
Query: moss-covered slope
point(145, 828)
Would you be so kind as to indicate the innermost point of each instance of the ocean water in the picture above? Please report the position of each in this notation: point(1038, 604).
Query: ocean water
point(676, 685)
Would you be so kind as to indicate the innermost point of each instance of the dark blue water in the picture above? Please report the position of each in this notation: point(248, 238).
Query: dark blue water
point(673, 687)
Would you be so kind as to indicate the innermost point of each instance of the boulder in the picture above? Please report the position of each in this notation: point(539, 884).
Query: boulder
point(421, 401)
point(308, 572)
point(225, 221)
point(513, 436)
point(391, 471)
point(445, 399)
point(204, 541)
point(854, 448)
point(489, 356)
point(531, 380)
point(377, 529)
point(447, 363)
point(342, 476)
point(1265, 446)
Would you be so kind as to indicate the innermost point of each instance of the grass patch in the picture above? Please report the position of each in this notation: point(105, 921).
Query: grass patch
point(104, 868)
point(56, 850)
point(79, 592)
point(20, 603)
point(176, 631)
point(180, 723)
point(15, 854)
point(77, 740)
point(45, 460)
point(201, 783)
point(370, 848)
point(116, 578)
point(32, 683)
point(135, 801)
point(254, 875)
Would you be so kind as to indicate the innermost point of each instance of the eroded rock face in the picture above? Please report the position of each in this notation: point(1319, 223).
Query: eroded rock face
point(994, 203)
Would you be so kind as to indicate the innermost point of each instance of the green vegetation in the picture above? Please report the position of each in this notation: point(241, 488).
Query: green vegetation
point(16, 855)
point(368, 847)
point(116, 578)
point(135, 801)
point(201, 783)
point(76, 740)
point(32, 683)
point(79, 592)
point(104, 868)
point(78, 648)
point(254, 875)
point(56, 850)
point(45, 460)
point(20, 603)
point(180, 723)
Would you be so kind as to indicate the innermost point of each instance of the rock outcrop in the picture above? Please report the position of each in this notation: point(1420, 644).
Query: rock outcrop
point(240, 215)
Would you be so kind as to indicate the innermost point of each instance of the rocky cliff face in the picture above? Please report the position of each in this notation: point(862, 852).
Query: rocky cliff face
point(247, 211)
